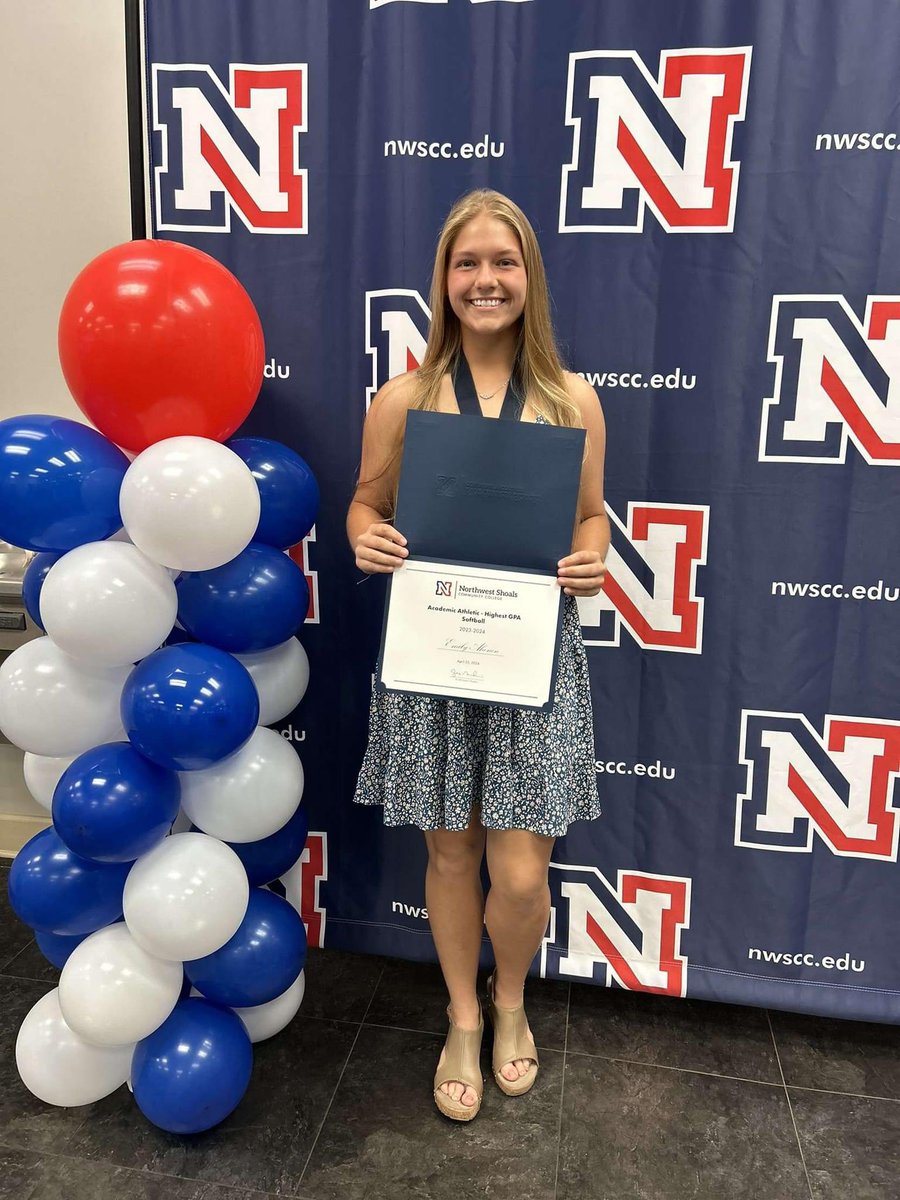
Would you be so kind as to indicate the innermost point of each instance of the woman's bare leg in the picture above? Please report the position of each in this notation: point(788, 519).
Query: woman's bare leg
point(516, 913)
point(455, 899)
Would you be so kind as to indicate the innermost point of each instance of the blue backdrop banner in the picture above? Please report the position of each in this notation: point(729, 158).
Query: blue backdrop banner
point(715, 189)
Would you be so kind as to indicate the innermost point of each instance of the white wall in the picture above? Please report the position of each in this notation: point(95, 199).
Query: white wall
point(64, 199)
point(65, 194)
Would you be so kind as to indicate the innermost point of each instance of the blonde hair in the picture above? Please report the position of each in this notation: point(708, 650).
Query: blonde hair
point(537, 358)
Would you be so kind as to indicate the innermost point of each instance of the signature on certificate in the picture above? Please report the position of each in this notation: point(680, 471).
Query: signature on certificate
point(469, 647)
point(466, 676)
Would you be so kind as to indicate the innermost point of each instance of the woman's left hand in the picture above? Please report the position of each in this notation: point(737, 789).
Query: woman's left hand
point(581, 573)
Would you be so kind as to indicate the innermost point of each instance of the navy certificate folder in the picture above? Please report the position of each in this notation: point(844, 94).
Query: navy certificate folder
point(501, 493)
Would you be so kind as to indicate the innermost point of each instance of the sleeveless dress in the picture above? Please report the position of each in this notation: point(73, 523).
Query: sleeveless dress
point(430, 760)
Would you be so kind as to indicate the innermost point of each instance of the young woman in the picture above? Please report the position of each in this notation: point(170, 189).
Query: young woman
point(479, 778)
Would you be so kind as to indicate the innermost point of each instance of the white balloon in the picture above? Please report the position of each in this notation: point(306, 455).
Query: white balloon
point(60, 1067)
point(189, 503)
point(112, 992)
point(51, 704)
point(108, 604)
point(265, 1020)
point(186, 897)
point(249, 794)
point(281, 675)
point(42, 774)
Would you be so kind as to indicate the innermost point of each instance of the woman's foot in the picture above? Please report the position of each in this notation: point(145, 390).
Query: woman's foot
point(519, 1066)
point(514, 1046)
point(464, 1017)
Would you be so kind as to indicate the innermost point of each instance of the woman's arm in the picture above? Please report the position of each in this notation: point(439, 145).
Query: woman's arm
point(379, 548)
point(581, 573)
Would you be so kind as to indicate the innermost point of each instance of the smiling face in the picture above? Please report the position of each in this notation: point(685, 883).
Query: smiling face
point(486, 279)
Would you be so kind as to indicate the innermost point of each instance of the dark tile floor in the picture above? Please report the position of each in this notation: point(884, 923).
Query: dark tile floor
point(639, 1098)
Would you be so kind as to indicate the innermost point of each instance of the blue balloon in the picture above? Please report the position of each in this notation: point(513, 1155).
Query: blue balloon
point(59, 483)
point(56, 947)
point(113, 805)
point(55, 891)
point(260, 962)
point(288, 492)
point(193, 1071)
point(33, 581)
point(185, 707)
point(272, 856)
point(258, 600)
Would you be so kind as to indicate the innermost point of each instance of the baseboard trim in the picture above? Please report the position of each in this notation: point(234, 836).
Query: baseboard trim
point(16, 830)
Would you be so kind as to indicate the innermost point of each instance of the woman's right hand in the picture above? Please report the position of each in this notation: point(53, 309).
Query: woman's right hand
point(381, 549)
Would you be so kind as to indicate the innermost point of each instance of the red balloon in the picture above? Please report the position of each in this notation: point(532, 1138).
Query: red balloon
point(156, 340)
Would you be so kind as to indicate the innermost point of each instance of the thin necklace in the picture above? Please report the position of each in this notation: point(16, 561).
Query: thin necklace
point(489, 395)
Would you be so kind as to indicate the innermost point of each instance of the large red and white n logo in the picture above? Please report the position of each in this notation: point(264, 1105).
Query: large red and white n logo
point(651, 582)
point(837, 381)
point(629, 934)
point(301, 886)
point(841, 786)
point(218, 152)
point(665, 144)
point(397, 322)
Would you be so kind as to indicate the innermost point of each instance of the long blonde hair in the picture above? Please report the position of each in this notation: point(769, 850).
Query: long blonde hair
point(537, 358)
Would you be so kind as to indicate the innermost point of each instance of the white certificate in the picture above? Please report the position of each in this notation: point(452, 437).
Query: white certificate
point(472, 633)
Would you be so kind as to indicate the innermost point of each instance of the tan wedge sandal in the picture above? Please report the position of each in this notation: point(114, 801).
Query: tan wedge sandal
point(462, 1065)
point(512, 1040)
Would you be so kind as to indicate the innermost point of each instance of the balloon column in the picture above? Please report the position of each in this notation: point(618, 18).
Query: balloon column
point(175, 957)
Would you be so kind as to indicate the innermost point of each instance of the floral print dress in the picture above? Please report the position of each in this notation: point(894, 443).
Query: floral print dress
point(429, 760)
